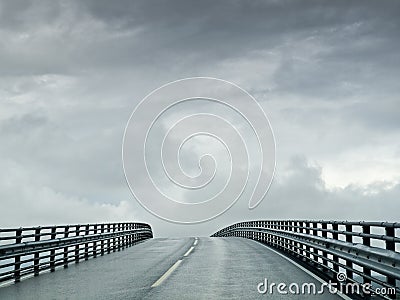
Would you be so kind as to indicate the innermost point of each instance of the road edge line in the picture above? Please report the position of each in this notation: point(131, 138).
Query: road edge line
point(304, 269)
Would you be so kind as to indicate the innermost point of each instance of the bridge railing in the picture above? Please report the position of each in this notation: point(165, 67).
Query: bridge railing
point(366, 252)
point(31, 250)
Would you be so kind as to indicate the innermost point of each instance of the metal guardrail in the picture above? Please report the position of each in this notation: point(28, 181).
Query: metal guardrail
point(32, 250)
point(366, 252)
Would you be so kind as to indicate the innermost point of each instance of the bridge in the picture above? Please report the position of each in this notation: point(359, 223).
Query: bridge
point(296, 259)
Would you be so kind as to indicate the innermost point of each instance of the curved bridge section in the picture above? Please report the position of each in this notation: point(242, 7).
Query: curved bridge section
point(30, 251)
point(359, 254)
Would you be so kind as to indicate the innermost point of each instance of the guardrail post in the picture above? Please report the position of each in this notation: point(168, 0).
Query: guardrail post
point(335, 236)
point(324, 233)
point(130, 235)
point(313, 232)
point(112, 228)
point(123, 227)
point(306, 248)
point(94, 249)
point(138, 235)
point(134, 234)
point(293, 243)
point(17, 259)
point(86, 244)
point(36, 256)
point(114, 239)
point(102, 240)
point(66, 234)
point(53, 252)
point(122, 237)
point(349, 239)
point(77, 233)
point(108, 240)
point(126, 237)
point(391, 246)
point(366, 229)
point(256, 234)
point(119, 237)
point(298, 230)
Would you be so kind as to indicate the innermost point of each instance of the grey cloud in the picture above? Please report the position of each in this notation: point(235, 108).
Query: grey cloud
point(101, 34)
point(71, 73)
point(18, 125)
point(379, 113)
point(304, 195)
point(20, 14)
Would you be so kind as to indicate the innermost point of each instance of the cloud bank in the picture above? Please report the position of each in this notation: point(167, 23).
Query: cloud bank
point(325, 73)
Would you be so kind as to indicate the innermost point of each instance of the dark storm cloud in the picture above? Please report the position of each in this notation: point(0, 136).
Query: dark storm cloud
point(354, 43)
point(20, 15)
point(132, 33)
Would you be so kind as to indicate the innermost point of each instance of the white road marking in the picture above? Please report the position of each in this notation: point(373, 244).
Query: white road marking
point(188, 252)
point(305, 270)
point(195, 242)
point(166, 274)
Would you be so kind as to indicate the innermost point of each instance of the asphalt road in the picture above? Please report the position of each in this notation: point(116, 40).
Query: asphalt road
point(182, 268)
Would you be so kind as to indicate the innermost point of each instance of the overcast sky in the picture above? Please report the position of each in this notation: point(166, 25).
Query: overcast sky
point(325, 72)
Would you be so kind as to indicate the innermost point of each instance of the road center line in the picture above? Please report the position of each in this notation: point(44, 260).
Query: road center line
point(188, 252)
point(166, 274)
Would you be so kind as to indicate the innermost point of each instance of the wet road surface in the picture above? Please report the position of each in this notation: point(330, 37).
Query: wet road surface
point(168, 268)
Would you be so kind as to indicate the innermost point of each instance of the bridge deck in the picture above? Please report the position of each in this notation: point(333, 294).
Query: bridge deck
point(216, 268)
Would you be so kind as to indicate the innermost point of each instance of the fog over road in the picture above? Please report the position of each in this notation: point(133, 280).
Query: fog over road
point(168, 268)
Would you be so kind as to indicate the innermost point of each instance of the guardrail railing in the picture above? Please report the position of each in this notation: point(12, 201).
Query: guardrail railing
point(366, 253)
point(32, 250)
